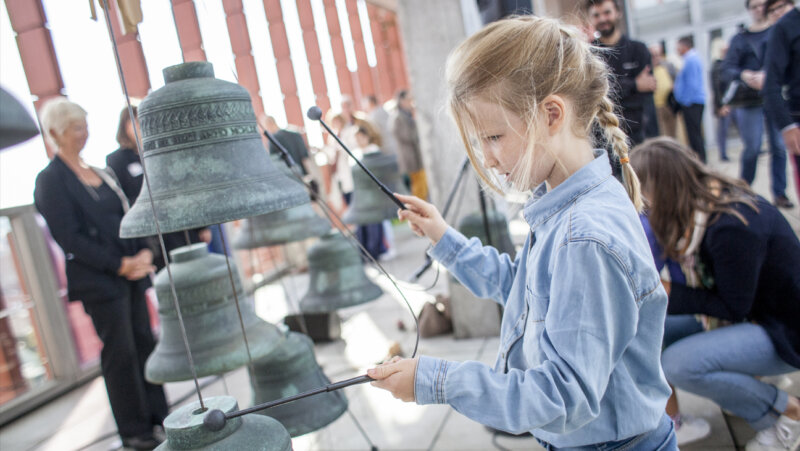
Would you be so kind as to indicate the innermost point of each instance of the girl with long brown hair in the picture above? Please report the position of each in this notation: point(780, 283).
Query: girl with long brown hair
point(578, 364)
point(741, 263)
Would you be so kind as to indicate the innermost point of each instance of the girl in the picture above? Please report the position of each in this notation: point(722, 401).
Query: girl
point(578, 364)
point(741, 262)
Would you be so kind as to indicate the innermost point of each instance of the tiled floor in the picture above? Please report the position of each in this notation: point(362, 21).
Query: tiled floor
point(82, 420)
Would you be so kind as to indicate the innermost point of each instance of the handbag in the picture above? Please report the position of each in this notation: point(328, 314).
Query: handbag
point(739, 94)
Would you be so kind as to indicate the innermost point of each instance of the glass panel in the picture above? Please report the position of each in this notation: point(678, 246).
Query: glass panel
point(23, 358)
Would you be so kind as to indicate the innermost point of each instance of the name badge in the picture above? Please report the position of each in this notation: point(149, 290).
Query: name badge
point(135, 169)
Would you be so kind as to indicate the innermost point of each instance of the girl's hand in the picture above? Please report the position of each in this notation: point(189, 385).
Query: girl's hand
point(424, 218)
point(396, 376)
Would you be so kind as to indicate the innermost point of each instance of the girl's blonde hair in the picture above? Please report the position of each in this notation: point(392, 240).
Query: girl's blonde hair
point(518, 62)
point(57, 114)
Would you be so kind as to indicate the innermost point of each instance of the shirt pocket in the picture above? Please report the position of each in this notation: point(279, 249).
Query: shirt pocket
point(534, 329)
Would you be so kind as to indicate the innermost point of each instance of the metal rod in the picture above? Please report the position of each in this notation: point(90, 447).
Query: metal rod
point(361, 429)
point(328, 388)
point(486, 229)
point(153, 205)
point(235, 294)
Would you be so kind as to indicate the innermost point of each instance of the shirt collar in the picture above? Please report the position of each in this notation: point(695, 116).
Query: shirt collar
point(543, 204)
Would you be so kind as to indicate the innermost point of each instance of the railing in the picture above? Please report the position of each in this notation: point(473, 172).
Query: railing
point(47, 345)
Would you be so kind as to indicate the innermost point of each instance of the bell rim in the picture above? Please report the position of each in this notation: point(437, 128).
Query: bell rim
point(252, 425)
point(370, 289)
point(317, 228)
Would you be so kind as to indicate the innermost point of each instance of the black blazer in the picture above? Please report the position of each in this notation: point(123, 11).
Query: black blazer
point(88, 236)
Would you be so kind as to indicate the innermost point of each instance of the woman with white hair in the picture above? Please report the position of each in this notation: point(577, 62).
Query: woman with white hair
point(83, 207)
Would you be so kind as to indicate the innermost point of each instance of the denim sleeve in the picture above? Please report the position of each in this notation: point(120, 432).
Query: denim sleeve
point(485, 272)
point(591, 320)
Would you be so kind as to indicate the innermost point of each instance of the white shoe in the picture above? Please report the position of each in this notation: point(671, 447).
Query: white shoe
point(690, 429)
point(784, 435)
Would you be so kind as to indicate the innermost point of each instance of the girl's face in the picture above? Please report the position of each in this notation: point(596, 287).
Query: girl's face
point(362, 140)
point(504, 141)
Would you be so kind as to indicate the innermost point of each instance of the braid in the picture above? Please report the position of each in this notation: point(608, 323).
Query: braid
point(619, 143)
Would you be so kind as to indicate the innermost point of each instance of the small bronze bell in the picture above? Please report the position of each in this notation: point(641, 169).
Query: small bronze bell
point(280, 227)
point(210, 317)
point(290, 370)
point(16, 124)
point(369, 204)
point(337, 277)
point(185, 430)
point(204, 157)
point(472, 225)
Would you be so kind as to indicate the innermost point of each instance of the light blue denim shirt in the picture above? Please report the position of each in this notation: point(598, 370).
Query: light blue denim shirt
point(580, 341)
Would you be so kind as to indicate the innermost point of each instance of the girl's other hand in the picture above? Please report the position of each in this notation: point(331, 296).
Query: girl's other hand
point(424, 218)
point(397, 377)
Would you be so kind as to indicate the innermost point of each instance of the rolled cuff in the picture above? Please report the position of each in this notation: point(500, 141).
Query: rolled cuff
point(429, 380)
point(447, 248)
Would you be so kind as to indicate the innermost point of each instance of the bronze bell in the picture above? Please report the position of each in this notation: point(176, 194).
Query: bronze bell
point(209, 314)
point(472, 225)
point(337, 277)
point(284, 226)
point(185, 429)
point(369, 204)
point(290, 370)
point(204, 157)
point(16, 124)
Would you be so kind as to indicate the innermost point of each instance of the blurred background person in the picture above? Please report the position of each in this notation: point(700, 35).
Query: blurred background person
point(664, 73)
point(690, 93)
point(744, 70)
point(723, 113)
point(127, 168)
point(409, 155)
point(783, 70)
point(379, 116)
point(83, 207)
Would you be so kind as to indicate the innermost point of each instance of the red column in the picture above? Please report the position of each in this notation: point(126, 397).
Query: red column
point(36, 52)
point(242, 51)
point(337, 46)
point(366, 86)
point(382, 71)
point(283, 61)
point(131, 56)
point(396, 53)
point(313, 55)
point(185, 16)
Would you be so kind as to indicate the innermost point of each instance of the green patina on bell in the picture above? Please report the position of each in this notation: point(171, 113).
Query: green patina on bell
point(290, 370)
point(337, 277)
point(185, 431)
point(205, 160)
point(472, 225)
point(284, 226)
point(16, 124)
point(369, 204)
point(209, 314)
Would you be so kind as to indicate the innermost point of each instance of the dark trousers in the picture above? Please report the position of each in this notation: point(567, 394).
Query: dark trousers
point(693, 118)
point(123, 326)
point(371, 237)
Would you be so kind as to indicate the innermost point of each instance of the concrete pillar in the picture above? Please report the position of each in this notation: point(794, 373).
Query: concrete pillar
point(242, 51)
point(36, 51)
point(283, 62)
point(313, 55)
point(365, 84)
point(191, 41)
point(337, 46)
point(383, 72)
point(428, 44)
point(131, 56)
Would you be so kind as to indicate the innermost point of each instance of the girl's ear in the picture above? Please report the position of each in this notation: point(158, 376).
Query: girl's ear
point(555, 113)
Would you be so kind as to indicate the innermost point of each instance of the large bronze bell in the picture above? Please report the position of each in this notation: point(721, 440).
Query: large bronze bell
point(280, 227)
point(290, 370)
point(210, 317)
point(337, 277)
point(204, 157)
point(185, 430)
point(472, 225)
point(369, 204)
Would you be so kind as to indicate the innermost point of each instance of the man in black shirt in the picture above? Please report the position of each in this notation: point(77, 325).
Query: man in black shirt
point(628, 61)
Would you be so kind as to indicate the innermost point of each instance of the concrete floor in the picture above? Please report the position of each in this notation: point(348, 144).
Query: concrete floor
point(81, 419)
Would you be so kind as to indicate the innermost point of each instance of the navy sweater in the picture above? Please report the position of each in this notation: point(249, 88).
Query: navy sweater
point(746, 51)
point(756, 271)
point(783, 69)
